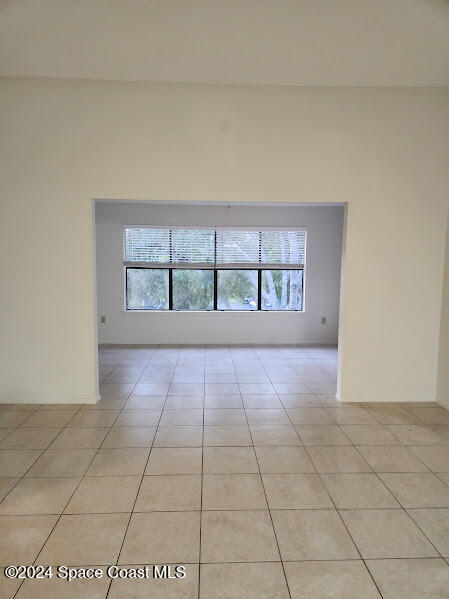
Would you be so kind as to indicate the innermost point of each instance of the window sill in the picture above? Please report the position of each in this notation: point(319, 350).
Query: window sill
point(213, 311)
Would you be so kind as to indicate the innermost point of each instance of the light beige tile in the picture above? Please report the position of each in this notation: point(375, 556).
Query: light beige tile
point(79, 438)
point(232, 536)
point(22, 537)
point(174, 460)
point(274, 434)
point(435, 525)
point(358, 491)
point(351, 415)
point(184, 402)
point(62, 462)
point(130, 436)
point(49, 418)
point(411, 578)
point(59, 588)
point(369, 434)
point(312, 535)
point(119, 462)
point(5, 432)
point(116, 390)
point(13, 418)
point(169, 493)
point(431, 415)
point(391, 458)
point(6, 484)
point(417, 489)
point(283, 460)
point(227, 436)
point(223, 401)
point(15, 462)
point(328, 400)
point(183, 417)
point(8, 586)
point(309, 416)
point(138, 418)
point(444, 477)
point(416, 435)
point(300, 400)
point(262, 402)
point(233, 492)
point(436, 458)
point(243, 581)
point(39, 496)
point(106, 403)
point(291, 388)
point(230, 460)
point(318, 434)
point(267, 416)
point(94, 418)
point(295, 492)
point(224, 416)
point(145, 402)
point(330, 580)
point(85, 538)
point(30, 438)
point(178, 436)
point(392, 415)
point(189, 389)
point(151, 389)
point(162, 588)
point(442, 430)
point(337, 459)
point(220, 378)
point(256, 389)
point(386, 534)
point(175, 538)
point(104, 494)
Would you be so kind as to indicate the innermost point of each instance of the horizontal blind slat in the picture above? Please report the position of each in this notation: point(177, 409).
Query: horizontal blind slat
point(147, 245)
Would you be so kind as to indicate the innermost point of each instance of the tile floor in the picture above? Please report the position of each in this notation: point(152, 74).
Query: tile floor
point(237, 462)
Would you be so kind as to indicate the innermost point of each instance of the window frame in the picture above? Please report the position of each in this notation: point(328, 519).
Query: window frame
point(260, 267)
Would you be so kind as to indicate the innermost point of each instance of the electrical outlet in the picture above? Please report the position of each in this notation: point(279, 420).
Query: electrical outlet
point(323, 320)
point(102, 319)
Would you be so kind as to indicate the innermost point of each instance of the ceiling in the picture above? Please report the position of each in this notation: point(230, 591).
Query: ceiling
point(257, 42)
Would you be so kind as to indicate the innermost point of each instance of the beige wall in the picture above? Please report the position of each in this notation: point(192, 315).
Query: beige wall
point(443, 358)
point(384, 151)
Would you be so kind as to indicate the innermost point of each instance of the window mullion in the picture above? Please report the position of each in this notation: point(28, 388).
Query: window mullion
point(215, 272)
point(170, 289)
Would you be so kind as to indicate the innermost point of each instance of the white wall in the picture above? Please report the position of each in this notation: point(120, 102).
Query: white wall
point(443, 358)
point(324, 238)
point(383, 151)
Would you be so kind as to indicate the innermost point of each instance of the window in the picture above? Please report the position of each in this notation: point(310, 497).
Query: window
point(146, 289)
point(237, 289)
point(179, 268)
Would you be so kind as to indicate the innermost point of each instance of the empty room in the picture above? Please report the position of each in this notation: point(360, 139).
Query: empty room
point(225, 310)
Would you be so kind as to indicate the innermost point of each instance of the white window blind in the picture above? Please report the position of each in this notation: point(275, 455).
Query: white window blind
point(147, 245)
point(193, 246)
point(221, 248)
point(237, 247)
point(283, 247)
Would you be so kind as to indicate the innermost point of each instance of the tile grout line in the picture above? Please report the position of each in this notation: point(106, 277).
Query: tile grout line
point(339, 515)
point(74, 491)
point(201, 503)
point(402, 507)
point(58, 516)
point(138, 490)
point(268, 506)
